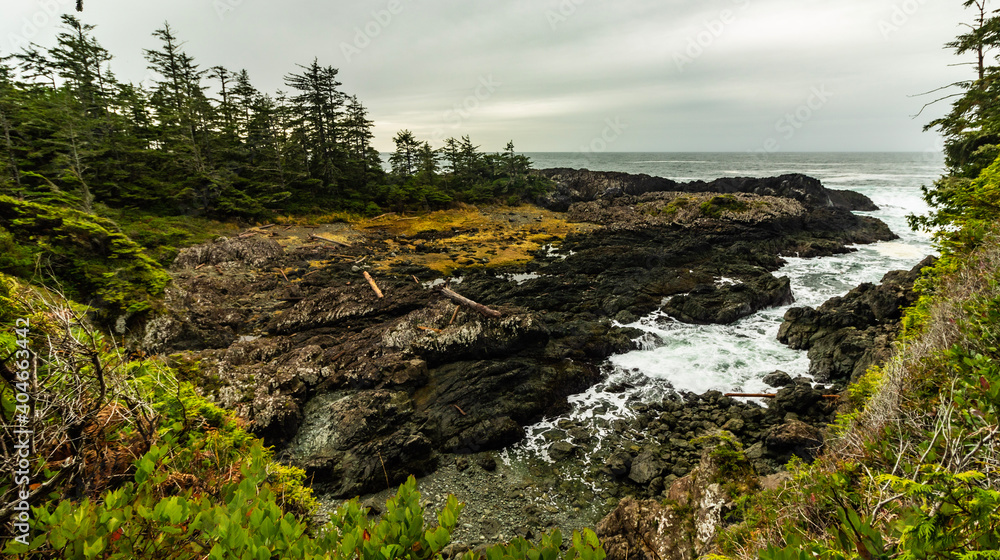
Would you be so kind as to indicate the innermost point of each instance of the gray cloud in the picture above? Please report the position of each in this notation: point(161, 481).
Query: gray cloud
point(684, 75)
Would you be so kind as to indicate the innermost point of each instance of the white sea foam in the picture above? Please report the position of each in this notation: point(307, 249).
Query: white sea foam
point(675, 356)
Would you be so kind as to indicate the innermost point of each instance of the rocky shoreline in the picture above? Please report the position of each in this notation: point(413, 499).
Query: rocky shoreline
point(361, 390)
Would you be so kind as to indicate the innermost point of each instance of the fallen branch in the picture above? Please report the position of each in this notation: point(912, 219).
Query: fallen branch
point(478, 307)
point(266, 226)
point(458, 408)
point(285, 276)
point(432, 329)
point(247, 234)
point(68, 468)
point(769, 395)
point(321, 238)
point(455, 314)
point(415, 279)
point(371, 282)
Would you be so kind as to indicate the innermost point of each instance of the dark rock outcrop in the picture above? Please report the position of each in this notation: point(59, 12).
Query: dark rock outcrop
point(685, 526)
point(726, 303)
point(581, 185)
point(358, 389)
point(846, 335)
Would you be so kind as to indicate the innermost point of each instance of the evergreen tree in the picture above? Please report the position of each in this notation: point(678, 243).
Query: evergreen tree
point(316, 109)
point(78, 58)
point(8, 103)
point(972, 127)
point(244, 95)
point(404, 159)
point(182, 113)
point(364, 164)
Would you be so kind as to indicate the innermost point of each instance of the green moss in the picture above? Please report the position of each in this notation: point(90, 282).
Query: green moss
point(717, 205)
point(83, 255)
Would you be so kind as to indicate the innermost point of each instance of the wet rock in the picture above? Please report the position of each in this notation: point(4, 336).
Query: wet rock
point(798, 399)
point(847, 334)
point(794, 438)
point(354, 442)
point(561, 450)
point(685, 529)
point(646, 467)
point(254, 252)
point(619, 463)
point(778, 379)
point(726, 304)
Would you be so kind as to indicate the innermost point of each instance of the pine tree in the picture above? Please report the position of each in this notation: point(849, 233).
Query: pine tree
point(8, 102)
point(404, 159)
point(317, 109)
point(972, 127)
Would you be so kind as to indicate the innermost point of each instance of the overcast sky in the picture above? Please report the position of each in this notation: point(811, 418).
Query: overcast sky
point(561, 75)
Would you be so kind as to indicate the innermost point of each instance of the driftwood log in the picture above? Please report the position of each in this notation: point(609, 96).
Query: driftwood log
point(477, 307)
point(769, 395)
point(315, 237)
point(371, 282)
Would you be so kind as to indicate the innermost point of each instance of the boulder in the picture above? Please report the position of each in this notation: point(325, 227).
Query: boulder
point(794, 438)
point(252, 252)
point(646, 467)
point(684, 527)
point(847, 334)
point(778, 379)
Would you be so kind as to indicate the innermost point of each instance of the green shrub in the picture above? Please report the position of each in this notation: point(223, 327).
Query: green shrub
point(87, 256)
point(717, 205)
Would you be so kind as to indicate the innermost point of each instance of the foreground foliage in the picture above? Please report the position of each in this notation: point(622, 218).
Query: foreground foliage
point(88, 257)
point(131, 462)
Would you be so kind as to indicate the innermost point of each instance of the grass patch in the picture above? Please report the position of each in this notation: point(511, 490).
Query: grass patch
point(467, 237)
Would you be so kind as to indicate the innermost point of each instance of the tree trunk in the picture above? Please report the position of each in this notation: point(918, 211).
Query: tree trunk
point(5, 124)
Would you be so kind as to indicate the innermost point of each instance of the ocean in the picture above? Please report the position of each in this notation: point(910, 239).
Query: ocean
point(673, 356)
